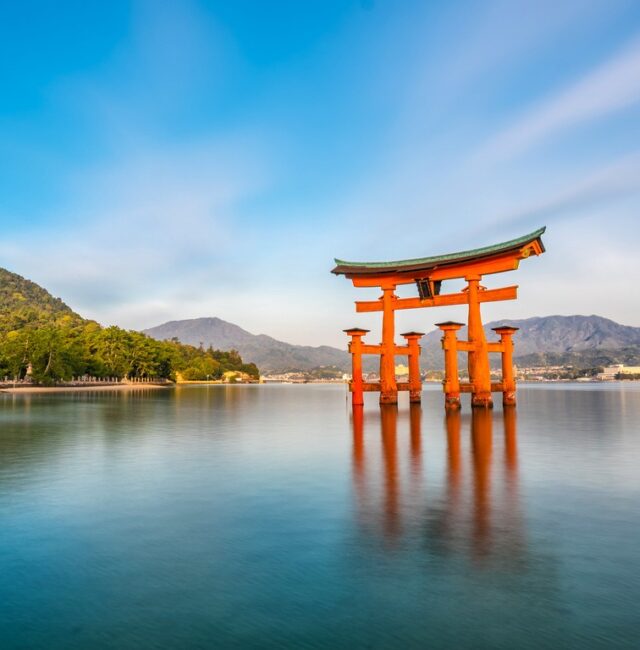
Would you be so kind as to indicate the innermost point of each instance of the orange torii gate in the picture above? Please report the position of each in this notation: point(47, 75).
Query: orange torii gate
point(428, 274)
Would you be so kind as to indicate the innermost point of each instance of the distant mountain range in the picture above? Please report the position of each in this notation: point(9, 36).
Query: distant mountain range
point(582, 341)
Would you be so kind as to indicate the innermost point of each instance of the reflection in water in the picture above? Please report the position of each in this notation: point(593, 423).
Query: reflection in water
point(231, 509)
point(388, 430)
point(444, 525)
point(359, 478)
point(453, 455)
point(480, 518)
point(510, 446)
point(415, 421)
point(481, 441)
point(511, 469)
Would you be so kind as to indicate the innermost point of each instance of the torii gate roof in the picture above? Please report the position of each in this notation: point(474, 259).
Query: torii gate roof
point(427, 263)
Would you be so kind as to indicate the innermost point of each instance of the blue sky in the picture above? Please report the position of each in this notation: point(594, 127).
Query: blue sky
point(167, 160)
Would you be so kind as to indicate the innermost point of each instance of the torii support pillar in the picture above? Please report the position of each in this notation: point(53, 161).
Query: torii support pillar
point(415, 383)
point(451, 383)
point(508, 380)
point(355, 348)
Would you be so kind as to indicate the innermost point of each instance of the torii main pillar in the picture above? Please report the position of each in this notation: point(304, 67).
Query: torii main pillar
point(478, 354)
point(388, 385)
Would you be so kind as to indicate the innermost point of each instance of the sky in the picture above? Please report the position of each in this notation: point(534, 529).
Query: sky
point(179, 159)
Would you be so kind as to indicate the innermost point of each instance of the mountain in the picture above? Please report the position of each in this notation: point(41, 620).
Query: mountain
point(579, 340)
point(570, 334)
point(267, 353)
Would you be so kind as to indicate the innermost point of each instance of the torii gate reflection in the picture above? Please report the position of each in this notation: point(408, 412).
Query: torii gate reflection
point(470, 515)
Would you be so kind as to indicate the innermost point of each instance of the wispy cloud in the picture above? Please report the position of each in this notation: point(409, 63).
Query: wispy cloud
point(141, 230)
point(614, 181)
point(147, 225)
point(613, 86)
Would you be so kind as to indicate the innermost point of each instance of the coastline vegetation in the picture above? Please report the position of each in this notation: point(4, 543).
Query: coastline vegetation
point(40, 334)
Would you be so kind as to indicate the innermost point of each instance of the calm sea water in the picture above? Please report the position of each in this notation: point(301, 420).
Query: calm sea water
point(269, 517)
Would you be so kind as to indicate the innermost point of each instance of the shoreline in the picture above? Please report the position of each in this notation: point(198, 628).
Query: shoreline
point(33, 390)
point(30, 390)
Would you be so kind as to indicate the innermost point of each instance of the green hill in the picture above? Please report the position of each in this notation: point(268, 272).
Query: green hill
point(25, 304)
point(44, 338)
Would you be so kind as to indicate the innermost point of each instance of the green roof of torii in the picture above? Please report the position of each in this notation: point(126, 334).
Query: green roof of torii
point(343, 267)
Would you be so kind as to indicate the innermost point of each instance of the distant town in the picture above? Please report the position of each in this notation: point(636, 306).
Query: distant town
point(617, 372)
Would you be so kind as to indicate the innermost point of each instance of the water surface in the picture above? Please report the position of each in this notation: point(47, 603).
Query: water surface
point(270, 517)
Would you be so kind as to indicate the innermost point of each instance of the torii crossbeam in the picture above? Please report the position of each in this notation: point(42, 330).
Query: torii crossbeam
point(428, 274)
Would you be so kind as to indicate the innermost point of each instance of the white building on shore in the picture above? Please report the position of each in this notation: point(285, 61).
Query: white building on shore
point(610, 372)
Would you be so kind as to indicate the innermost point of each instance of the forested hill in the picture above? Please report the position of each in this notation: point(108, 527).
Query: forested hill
point(24, 302)
point(41, 333)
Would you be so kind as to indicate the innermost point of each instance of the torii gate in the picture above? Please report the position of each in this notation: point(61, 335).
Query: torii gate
point(428, 273)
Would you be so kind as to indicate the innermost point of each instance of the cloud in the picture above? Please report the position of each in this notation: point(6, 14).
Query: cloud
point(612, 87)
point(145, 226)
point(148, 220)
point(617, 180)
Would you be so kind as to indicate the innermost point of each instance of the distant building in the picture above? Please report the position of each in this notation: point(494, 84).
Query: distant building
point(401, 369)
point(610, 372)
